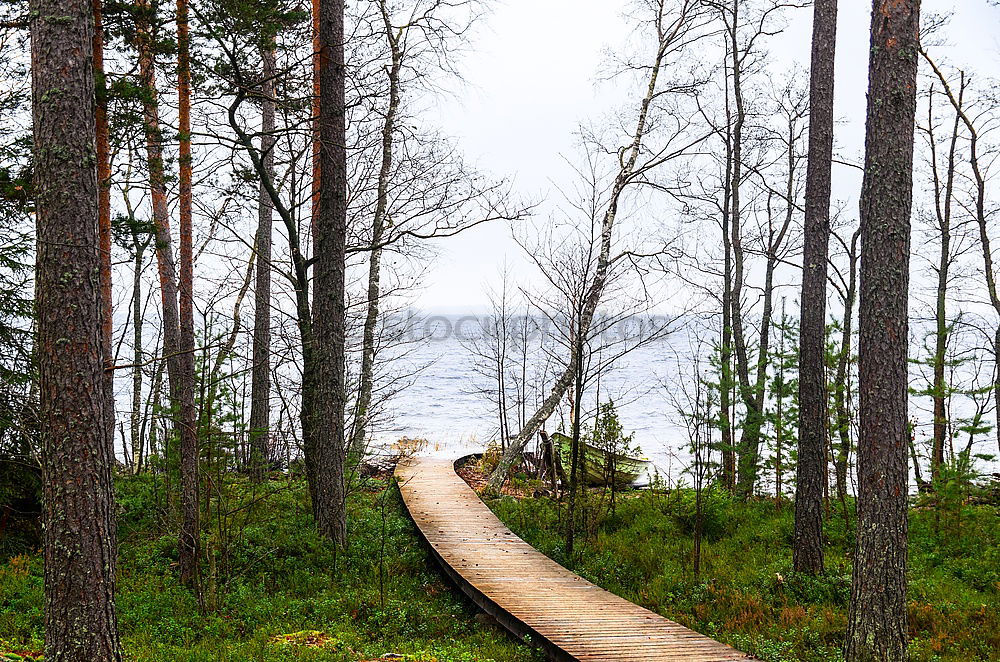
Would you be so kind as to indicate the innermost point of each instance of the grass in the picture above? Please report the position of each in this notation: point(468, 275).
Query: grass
point(748, 595)
point(274, 590)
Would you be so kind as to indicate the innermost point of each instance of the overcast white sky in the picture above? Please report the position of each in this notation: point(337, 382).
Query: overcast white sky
point(531, 80)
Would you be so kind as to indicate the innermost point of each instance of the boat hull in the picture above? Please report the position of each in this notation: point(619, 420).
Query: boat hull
point(601, 467)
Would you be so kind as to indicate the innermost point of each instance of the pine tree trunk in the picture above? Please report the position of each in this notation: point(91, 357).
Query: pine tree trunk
point(316, 139)
point(189, 536)
point(104, 216)
point(80, 539)
point(329, 313)
point(260, 388)
point(813, 419)
point(877, 619)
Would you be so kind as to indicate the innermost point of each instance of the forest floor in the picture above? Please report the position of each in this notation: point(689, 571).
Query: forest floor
point(747, 594)
point(273, 590)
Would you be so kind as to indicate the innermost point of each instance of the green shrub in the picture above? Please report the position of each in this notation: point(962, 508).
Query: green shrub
point(273, 576)
point(747, 594)
point(715, 506)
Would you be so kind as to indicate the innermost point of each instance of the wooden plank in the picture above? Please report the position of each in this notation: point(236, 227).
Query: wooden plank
point(530, 594)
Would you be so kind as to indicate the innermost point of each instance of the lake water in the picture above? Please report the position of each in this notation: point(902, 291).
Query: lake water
point(445, 403)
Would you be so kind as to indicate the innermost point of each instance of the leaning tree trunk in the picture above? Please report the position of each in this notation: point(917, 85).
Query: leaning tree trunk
point(813, 419)
point(260, 386)
point(877, 619)
point(189, 537)
point(329, 312)
point(80, 534)
point(594, 291)
point(163, 241)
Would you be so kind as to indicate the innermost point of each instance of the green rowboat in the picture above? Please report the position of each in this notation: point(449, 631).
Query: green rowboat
point(600, 464)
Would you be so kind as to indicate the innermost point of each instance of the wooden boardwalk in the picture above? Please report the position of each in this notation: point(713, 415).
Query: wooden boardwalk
point(528, 593)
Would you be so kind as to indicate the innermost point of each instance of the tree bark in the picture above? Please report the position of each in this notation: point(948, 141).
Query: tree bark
point(80, 533)
point(877, 618)
point(104, 214)
point(316, 139)
point(189, 536)
point(260, 387)
point(329, 321)
point(813, 419)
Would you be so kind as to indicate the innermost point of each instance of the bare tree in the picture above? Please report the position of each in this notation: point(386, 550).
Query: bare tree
point(981, 213)
point(942, 175)
point(744, 25)
point(419, 38)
